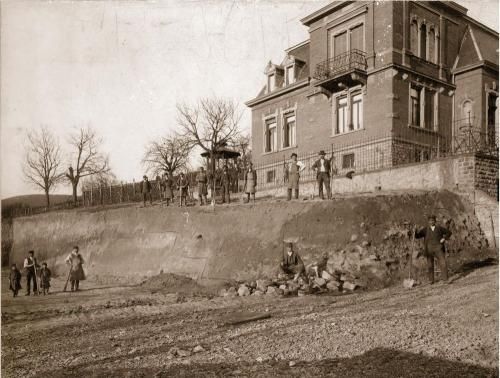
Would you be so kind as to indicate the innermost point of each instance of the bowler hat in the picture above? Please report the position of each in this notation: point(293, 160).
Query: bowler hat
point(144, 177)
point(293, 154)
point(289, 244)
point(322, 153)
point(432, 216)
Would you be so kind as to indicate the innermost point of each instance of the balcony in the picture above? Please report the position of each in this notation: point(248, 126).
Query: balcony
point(344, 70)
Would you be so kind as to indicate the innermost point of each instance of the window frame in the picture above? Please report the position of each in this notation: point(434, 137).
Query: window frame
point(269, 120)
point(333, 32)
point(350, 94)
point(344, 159)
point(290, 67)
point(424, 92)
point(286, 115)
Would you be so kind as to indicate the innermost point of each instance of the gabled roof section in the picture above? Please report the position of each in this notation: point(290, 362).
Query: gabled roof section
point(487, 44)
point(469, 52)
point(477, 46)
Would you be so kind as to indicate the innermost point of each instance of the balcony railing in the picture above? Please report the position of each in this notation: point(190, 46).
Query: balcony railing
point(341, 64)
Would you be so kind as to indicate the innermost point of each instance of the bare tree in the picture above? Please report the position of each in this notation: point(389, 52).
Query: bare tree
point(210, 124)
point(169, 153)
point(243, 146)
point(87, 158)
point(42, 162)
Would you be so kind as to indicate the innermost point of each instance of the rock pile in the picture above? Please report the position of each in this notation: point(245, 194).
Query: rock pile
point(283, 285)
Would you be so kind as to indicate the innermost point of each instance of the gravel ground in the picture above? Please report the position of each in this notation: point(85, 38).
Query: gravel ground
point(430, 331)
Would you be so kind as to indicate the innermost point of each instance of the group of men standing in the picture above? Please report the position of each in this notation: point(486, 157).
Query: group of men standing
point(166, 188)
point(322, 167)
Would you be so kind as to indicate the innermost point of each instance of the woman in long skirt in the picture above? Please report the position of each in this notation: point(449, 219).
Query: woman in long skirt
point(250, 182)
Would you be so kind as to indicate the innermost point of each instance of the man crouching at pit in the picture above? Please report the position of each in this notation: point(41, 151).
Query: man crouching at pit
point(292, 263)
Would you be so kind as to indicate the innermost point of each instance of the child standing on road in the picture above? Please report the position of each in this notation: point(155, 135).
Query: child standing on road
point(45, 275)
point(15, 280)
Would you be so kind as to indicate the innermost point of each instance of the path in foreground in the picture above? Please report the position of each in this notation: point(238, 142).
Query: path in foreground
point(431, 331)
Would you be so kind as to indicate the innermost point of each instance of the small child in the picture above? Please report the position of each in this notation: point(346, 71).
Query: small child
point(15, 280)
point(45, 275)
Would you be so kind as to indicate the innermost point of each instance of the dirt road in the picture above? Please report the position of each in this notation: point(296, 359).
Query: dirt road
point(430, 331)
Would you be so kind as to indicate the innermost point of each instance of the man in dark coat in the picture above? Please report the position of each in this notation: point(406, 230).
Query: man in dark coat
point(183, 185)
point(146, 190)
point(292, 263)
point(30, 265)
point(322, 168)
point(225, 181)
point(434, 238)
point(14, 280)
point(202, 180)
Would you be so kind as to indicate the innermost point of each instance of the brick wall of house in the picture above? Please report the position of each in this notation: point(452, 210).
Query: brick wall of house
point(386, 99)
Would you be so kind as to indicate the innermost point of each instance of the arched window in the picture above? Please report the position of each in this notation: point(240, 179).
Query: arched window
point(467, 113)
point(423, 41)
point(414, 37)
point(432, 46)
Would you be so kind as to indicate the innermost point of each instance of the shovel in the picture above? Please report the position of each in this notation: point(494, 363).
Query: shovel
point(409, 282)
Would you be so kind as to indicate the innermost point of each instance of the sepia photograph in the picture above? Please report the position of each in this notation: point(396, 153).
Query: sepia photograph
point(249, 188)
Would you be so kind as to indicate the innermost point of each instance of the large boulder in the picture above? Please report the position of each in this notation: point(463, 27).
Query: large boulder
point(243, 291)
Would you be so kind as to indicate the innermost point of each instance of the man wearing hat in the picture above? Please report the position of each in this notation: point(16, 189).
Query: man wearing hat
point(292, 263)
point(225, 182)
point(434, 238)
point(322, 168)
point(292, 170)
point(146, 190)
point(201, 179)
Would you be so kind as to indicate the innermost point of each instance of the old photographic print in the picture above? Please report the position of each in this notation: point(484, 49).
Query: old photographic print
point(249, 188)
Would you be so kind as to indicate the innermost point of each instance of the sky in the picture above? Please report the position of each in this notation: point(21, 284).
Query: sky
point(121, 67)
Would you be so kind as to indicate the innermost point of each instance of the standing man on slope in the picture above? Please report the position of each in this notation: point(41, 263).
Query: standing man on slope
point(434, 238)
point(292, 171)
point(30, 265)
point(322, 168)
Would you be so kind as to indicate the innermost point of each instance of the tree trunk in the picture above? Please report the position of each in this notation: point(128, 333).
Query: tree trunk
point(75, 197)
point(47, 198)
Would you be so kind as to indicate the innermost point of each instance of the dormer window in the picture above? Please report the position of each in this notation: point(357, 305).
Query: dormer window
point(271, 82)
point(290, 74)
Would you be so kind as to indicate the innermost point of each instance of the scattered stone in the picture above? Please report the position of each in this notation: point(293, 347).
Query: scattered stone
point(320, 282)
point(349, 286)
point(291, 363)
point(231, 292)
point(365, 243)
point(283, 287)
point(301, 293)
point(326, 276)
point(332, 286)
point(354, 237)
point(183, 353)
point(257, 292)
point(272, 290)
point(362, 225)
point(360, 282)
point(260, 359)
point(373, 257)
point(262, 284)
point(243, 291)
point(198, 349)
point(408, 283)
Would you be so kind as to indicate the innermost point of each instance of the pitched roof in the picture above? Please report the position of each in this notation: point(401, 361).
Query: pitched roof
point(477, 46)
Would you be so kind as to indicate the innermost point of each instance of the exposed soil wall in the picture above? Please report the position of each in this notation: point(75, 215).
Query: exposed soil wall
point(362, 235)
